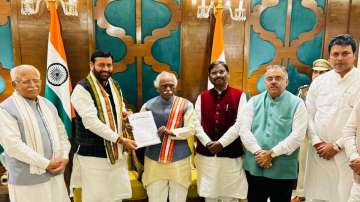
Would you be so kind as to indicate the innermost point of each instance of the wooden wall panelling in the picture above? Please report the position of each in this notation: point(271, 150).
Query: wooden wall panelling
point(337, 21)
point(5, 11)
point(354, 22)
point(30, 35)
point(234, 37)
point(195, 51)
point(77, 33)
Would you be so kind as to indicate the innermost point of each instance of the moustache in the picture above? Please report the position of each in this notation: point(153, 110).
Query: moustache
point(106, 73)
point(219, 78)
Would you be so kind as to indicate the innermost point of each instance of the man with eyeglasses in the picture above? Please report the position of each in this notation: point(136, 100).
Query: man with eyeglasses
point(167, 169)
point(100, 166)
point(34, 140)
point(330, 100)
point(272, 127)
point(219, 157)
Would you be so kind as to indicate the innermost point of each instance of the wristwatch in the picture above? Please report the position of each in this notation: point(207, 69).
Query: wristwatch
point(336, 147)
point(272, 154)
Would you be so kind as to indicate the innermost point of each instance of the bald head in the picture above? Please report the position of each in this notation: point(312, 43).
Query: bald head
point(26, 81)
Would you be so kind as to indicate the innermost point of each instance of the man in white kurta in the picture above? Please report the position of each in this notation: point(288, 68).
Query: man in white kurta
point(167, 168)
point(351, 135)
point(99, 166)
point(35, 141)
point(219, 156)
point(330, 100)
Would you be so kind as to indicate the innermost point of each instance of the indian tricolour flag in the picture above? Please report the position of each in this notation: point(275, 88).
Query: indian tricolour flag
point(217, 50)
point(58, 85)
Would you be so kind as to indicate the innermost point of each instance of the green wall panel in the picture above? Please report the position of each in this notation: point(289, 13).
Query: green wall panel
point(310, 50)
point(261, 52)
point(128, 84)
point(154, 15)
point(105, 42)
point(149, 75)
point(296, 79)
point(260, 85)
point(321, 3)
point(6, 49)
point(2, 85)
point(273, 19)
point(302, 20)
point(124, 19)
point(167, 50)
point(255, 3)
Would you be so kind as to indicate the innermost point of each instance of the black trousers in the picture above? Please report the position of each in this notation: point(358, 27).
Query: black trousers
point(262, 188)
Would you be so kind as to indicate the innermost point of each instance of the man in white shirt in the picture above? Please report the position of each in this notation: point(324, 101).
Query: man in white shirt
point(330, 100)
point(219, 156)
point(272, 127)
point(35, 141)
point(100, 167)
point(351, 137)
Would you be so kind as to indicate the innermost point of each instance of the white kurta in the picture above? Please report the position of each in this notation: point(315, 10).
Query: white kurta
point(329, 102)
point(99, 180)
point(53, 190)
point(219, 176)
point(351, 134)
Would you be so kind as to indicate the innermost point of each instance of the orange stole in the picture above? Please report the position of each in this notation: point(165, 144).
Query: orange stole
point(174, 121)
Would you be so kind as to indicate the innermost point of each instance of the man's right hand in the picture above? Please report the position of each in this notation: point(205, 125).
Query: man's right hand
point(129, 144)
point(214, 147)
point(57, 165)
point(355, 165)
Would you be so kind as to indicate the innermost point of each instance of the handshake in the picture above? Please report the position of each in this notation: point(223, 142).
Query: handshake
point(263, 158)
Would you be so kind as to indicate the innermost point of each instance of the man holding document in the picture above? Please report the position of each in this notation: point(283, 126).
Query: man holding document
point(167, 170)
point(99, 166)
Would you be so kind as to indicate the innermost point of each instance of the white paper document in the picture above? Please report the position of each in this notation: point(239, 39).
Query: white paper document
point(144, 129)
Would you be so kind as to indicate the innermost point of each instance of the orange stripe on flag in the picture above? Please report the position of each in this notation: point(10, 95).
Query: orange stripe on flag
point(218, 39)
point(55, 34)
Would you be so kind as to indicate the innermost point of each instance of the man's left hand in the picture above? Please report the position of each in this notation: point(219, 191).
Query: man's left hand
point(327, 151)
point(355, 165)
point(128, 127)
point(263, 158)
point(61, 165)
point(215, 147)
point(164, 131)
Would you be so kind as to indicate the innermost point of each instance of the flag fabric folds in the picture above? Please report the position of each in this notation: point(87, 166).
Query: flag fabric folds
point(58, 85)
point(217, 50)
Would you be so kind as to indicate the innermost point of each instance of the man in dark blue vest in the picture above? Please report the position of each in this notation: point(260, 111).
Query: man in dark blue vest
point(100, 167)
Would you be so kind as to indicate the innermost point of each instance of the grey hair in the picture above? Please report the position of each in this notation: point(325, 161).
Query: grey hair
point(14, 71)
point(282, 68)
point(164, 74)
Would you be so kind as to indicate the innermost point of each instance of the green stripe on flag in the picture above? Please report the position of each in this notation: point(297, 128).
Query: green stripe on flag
point(52, 96)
